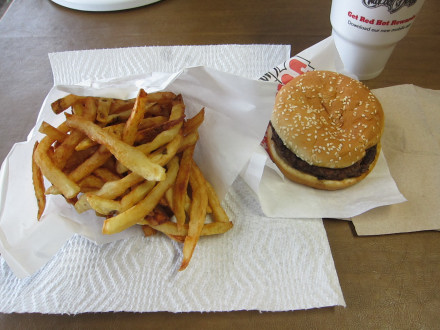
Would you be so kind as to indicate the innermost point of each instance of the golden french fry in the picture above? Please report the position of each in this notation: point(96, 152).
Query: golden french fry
point(112, 129)
point(110, 190)
point(129, 156)
point(52, 190)
point(181, 185)
point(164, 154)
point(140, 210)
point(136, 195)
point(192, 124)
point(149, 134)
point(59, 179)
point(90, 183)
point(213, 228)
point(161, 139)
point(115, 189)
point(197, 214)
point(119, 106)
point(53, 132)
point(169, 199)
point(82, 204)
point(189, 140)
point(90, 109)
point(99, 157)
point(152, 121)
point(178, 239)
point(105, 174)
point(156, 110)
point(78, 108)
point(178, 108)
point(216, 228)
point(103, 109)
point(38, 182)
point(136, 115)
point(161, 97)
point(218, 212)
point(131, 126)
point(64, 103)
point(118, 117)
point(79, 157)
point(107, 206)
point(102, 205)
point(66, 149)
point(69, 145)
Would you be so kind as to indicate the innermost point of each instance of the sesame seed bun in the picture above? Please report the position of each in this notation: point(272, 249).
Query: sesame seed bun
point(327, 120)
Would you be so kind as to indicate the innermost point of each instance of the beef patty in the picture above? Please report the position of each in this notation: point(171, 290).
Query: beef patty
point(324, 173)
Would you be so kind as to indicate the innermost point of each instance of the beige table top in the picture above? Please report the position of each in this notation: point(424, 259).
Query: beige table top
point(395, 286)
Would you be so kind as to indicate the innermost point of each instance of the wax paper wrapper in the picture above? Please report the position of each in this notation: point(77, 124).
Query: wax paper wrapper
point(236, 113)
point(412, 143)
point(280, 197)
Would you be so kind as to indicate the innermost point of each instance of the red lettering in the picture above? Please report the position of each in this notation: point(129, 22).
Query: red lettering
point(350, 14)
point(394, 22)
point(380, 22)
point(368, 21)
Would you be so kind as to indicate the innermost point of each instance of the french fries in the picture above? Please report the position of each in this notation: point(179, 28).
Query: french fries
point(197, 214)
point(139, 211)
point(129, 156)
point(38, 181)
point(131, 161)
point(55, 175)
point(181, 186)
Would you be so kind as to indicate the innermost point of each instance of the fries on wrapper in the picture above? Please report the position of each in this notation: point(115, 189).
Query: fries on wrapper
point(131, 161)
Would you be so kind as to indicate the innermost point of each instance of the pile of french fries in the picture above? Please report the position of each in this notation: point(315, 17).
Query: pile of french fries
point(131, 161)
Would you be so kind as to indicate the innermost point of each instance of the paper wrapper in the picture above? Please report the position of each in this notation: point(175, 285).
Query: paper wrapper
point(236, 113)
point(280, 197)
point(412, 145)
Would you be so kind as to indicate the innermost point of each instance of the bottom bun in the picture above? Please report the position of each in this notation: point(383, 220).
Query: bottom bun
point(308, 179)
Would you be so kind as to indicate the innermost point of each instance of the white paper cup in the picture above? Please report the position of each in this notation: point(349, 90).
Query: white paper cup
point(366, 31)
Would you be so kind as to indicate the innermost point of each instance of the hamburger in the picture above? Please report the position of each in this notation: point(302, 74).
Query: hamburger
point(325, 130)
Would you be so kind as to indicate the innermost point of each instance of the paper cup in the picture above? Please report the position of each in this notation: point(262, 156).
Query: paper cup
point(366, 31)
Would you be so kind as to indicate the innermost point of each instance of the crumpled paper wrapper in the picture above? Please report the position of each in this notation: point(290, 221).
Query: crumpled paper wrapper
point(236, 105)
point(264, 264)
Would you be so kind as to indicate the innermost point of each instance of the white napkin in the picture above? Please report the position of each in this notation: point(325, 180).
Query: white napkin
point(248, 61)
point(281, 264)
point(258, 265)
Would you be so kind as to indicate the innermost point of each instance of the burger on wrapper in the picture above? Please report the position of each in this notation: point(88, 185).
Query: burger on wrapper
point(325, 130)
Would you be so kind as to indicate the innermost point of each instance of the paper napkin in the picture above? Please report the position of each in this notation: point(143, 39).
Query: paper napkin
point(281, 264)
point(412, 143)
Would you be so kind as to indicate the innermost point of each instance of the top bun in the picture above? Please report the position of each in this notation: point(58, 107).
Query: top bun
point(327, 119)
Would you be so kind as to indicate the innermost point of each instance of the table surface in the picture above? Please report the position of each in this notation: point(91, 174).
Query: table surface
point(388, 281)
